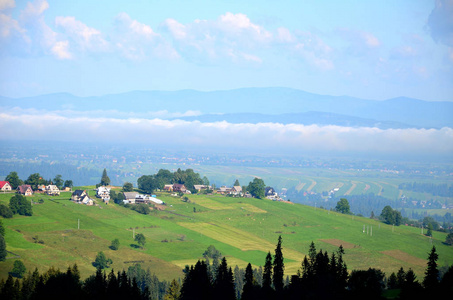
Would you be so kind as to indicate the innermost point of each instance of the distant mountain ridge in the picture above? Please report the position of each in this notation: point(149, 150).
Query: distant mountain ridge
point(290, 104)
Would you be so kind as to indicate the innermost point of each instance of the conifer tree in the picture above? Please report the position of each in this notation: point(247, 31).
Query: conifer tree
point(105, 180)
point(279, 267)
point(431, 281)
point(267, 272)
point(249, 290)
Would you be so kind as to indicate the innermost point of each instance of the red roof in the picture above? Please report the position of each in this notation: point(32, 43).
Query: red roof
point(2, 183)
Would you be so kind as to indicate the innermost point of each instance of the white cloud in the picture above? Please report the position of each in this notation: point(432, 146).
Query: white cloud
point(291, 137)
point(137, 41)
point(6, 4)
point(60, 50)
point(86, 37)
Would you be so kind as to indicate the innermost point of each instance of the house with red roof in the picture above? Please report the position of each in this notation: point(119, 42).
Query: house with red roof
point(5, 186)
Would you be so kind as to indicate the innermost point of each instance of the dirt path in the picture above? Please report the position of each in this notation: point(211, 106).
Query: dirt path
point(354, 185)
point(313, 183)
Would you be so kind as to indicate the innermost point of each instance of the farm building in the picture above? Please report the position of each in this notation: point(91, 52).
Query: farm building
point(5, 186)
point(52, 190)
point(103, 193)
point(25, 190)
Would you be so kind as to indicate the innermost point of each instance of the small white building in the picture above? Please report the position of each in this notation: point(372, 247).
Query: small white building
point(103, 193)
point(52, 190)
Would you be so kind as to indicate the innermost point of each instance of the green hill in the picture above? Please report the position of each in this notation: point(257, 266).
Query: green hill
point(242, 229)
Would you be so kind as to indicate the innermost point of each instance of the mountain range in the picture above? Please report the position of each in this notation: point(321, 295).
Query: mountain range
point(255, 105)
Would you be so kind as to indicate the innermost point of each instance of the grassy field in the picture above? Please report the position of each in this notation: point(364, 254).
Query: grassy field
point(242, 229)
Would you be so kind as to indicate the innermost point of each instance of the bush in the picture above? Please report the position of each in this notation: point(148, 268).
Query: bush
point(18, 269)
point(115, 244)
point(101, 261)
point(5, 211)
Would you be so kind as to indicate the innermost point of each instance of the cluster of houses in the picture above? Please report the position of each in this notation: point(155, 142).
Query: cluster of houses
point(177, 187)
point(26, 190)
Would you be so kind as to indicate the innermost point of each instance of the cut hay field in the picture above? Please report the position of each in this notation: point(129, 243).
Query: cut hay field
point(244, 230)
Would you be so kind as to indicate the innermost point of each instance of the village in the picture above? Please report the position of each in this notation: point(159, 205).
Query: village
point(81, 196)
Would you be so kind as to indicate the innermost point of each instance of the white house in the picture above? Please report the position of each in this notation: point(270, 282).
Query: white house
point(103, 193)
point(52, 190)
point(5, 186)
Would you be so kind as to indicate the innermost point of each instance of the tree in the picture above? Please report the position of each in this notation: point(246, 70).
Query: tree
point(115, 244)
point(105, 180)
point(250, 284)
point(5, 211)
point(101, 261)
point(224, 282)
point(390, 216)
point(257, 188)
point(34, 180)
point(343, 206)
point(140, 239)
point(149, 183)
point(14, 180)
point(3, 252)
point(236, 183)
point(18, 269)
point(267, 273)
point(20, 205)
point(2, 228)
point(173, 291)
point(279, 267)
point(431, 280)
point(58, 181)
point(128, 187)
point(430, 230)
point(449, 239)
point(68, 183)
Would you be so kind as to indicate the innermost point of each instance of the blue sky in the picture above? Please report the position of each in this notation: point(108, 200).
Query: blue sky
point(368, 49)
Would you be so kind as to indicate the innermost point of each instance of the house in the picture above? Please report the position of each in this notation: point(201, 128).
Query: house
point(168, 187)
point(5, 186)
point(78, 195)
point(142, 199)
point(52, 190)
point(103, 193)
point(223, 190)
point(129, 197)
point(269, 192)
point(178, 187)
point(201, 187)
point(25, 190)
point(87, 200)
point(236, 190)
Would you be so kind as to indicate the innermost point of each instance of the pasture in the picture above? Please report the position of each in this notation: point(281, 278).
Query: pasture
point(243, 229)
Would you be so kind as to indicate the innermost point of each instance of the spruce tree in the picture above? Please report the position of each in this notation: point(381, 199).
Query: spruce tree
point(279, 267)
point(3, 252)
point(248, 292)
point(431, 281)
point(105, 180)
point(267, 272)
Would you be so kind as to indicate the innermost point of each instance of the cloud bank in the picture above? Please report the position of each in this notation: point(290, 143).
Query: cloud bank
point(270, 136)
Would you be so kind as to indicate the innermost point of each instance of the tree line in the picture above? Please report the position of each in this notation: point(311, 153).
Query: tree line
point(321, 276)
point(35, 180)
point(442, 190)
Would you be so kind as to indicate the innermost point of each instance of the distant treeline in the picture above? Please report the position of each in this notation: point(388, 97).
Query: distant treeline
point(442, 190)
point(79, 176)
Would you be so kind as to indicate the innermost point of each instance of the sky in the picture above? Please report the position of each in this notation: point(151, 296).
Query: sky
point(368, 49)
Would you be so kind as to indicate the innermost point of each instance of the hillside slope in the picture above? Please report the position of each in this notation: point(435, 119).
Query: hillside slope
point(242, 229)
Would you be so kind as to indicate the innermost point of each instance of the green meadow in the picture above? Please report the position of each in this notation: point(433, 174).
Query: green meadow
point(243, 229)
